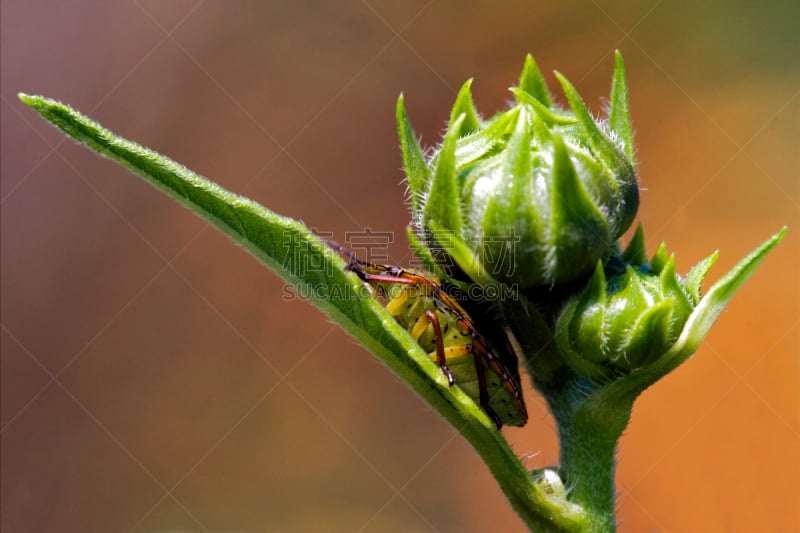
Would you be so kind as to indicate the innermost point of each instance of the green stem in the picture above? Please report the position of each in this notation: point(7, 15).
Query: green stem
point(588, 436)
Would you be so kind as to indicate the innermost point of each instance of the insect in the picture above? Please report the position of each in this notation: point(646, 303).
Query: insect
point(440, 325)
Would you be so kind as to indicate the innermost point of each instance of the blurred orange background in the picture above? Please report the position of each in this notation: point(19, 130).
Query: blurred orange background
point(153, 377)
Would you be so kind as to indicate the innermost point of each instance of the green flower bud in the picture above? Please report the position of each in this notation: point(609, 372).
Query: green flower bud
point(537, 194)
point(633, 313)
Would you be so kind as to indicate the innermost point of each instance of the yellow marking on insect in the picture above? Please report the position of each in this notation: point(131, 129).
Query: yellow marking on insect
point(435, 319)
point(458, 350)
point(395, 304)
point(419, 327)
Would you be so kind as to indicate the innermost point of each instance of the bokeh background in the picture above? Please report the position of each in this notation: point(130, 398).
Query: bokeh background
point(153, 376)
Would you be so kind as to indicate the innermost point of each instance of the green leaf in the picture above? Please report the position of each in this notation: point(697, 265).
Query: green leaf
point(619, 118)
point(413, 160)
point(712, 304)
point(288, 248)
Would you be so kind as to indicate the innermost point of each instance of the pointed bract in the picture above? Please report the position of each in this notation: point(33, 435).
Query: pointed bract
point(443, 205)
point(517, 157)
point(659, 259)
point(422, 253)
point(574, 358)
point(695, 277)
point(603, 148)
point(532, 82)
point(414, 164)
point(511, 214)
point(579, 231)
point(671, 288)
point(591, 329)
point(635, 253)
point(649, 338)
point(549, 115)
point(483, 142)
point(464, 105)
point(619, 118)
point(599, 143)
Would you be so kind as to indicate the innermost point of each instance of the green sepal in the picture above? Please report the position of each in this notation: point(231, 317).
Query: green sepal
point(619, 117)
point(598, 142)
point(659, 259)
point(589, 331)
point(443, 204)
point(649, 337)
point(548, 114)
point(413, 160)
point(624, 173)
point(696, 275)
point(464, 105)
point(576, 361)
point(511, 211)
point(671, 288)
point(516, 166)
point(635, 253)
point(478, 144)
point(532, 82)
point(541, 132)
point(594, 291)
point(422, 252)
point(510, 206)
point(624, 309)
point(578, 228)
point(462, 255)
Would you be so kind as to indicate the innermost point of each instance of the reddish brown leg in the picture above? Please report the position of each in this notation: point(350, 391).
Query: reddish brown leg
point(437, 335)
point(480, 370)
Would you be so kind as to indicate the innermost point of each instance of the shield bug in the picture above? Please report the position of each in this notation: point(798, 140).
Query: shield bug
point(420, 303)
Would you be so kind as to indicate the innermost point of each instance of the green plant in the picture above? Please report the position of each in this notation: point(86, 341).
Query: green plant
point(535, 199)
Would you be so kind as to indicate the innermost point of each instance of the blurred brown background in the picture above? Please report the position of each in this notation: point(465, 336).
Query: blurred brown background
point(154, 379)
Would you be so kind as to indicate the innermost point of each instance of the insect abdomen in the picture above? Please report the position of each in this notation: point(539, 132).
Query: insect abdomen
point(408, 305)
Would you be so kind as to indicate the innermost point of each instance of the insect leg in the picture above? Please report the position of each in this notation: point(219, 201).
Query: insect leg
point(480, 370)
point(440, 358)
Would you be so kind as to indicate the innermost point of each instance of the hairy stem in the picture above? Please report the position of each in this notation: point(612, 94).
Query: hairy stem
point(588, 435)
